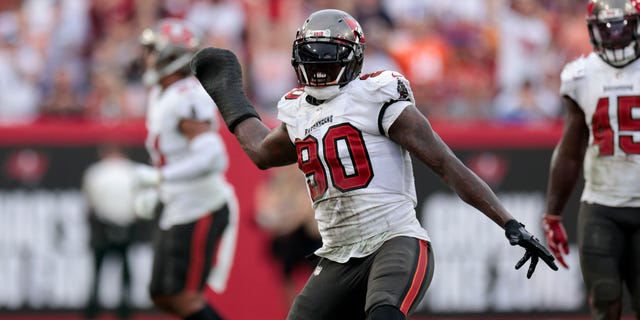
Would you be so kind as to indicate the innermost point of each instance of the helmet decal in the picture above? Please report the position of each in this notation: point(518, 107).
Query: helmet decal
point(357, 30)
point(613, 13)
point(177, 33)
point(590, 8)
point(318, 34)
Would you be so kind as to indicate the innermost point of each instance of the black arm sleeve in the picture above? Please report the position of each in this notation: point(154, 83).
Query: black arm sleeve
point(220, 73)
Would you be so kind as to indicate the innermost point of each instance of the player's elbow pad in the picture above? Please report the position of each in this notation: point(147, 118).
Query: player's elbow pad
point(220, 74)
point(207, 154)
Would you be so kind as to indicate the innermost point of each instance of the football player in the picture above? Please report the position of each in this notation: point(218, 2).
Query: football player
point(351, 136)
point(189, 162)
point(602, 138)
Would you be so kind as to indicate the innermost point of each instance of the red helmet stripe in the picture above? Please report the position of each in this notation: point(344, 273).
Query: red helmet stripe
point(176, 33)
point(355, 27)
point(590, 8)
point(636, 4)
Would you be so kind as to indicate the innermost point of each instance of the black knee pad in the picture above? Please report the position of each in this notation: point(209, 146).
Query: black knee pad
point(386, 312)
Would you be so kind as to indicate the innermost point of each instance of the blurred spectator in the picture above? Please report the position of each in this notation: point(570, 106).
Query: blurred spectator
point(270, 68)
point(458, 55)
point(567, 17)
point(20, 66)
point(470, 11)
point(271, 29)
point(107, 14)
point(370, 13)
point(532, 102)
point(174, 8)
point(109, 186)
point(379, 28)
point(61, 27)
point(524, 42)
point(111, 98)
point(283, 209)
point(424, 57)
point(223, 22)
point(471, 90)
point(62, 98)
point(471, 86)
point(378, 58)
point(118, 49)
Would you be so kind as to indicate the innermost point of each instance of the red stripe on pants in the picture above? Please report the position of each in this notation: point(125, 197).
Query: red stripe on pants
point(418, 277)
point(198, 251)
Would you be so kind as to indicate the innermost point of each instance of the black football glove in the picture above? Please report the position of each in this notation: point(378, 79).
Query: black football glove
point(518, 235)
point(220, 73)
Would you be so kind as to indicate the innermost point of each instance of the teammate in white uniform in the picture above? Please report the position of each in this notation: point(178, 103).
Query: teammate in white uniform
point(352, 136)
point(189, 162)
point(602, 134)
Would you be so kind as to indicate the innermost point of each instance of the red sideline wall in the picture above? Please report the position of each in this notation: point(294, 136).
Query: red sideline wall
point(465, 135)
point(254, 290)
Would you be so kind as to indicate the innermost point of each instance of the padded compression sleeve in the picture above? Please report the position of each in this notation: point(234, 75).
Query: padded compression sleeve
point(206, 154)
point(220, 73)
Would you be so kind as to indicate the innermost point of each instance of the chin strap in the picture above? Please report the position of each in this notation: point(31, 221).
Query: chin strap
point(313, 101)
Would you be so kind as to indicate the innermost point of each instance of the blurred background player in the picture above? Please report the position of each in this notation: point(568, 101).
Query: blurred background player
point(199, 209)
point(352, 137)
point(602, 127)
point(109, 186)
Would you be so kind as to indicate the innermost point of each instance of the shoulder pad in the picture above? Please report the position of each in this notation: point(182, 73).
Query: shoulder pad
point(574, 70)
point(293, 94)
point(386, 85)
point(290, 97)
point(382, 76)
point(288, 104)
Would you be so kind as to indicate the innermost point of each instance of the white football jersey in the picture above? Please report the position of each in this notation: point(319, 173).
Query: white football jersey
point(184, 200)
point(360, 181)
point(610, 99)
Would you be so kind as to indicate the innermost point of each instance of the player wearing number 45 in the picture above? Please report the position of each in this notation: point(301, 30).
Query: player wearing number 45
point(352, 137)
point(602, 133)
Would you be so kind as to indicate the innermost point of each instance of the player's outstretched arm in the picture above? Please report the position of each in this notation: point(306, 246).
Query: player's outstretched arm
point(413, 131)
point(220, 73)
point(564, 172)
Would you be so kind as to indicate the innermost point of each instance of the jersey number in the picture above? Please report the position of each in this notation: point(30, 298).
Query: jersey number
point(601, 126)
point(344, 176)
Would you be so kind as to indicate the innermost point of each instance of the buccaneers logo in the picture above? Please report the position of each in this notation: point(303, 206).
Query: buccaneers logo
point(357, 30)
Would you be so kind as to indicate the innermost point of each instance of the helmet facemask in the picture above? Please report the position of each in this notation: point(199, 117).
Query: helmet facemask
point(324, 62)
point(614, 35)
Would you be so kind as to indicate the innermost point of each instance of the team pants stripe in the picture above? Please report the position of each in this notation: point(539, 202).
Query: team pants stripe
point(198, 253)
point(418, 277)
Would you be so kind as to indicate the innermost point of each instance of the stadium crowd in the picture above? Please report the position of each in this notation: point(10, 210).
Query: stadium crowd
point(469, 59)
